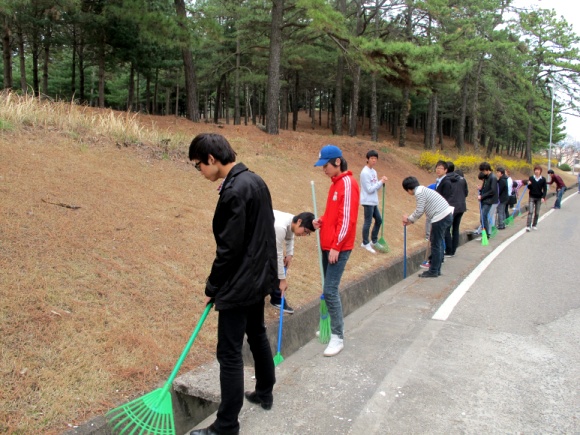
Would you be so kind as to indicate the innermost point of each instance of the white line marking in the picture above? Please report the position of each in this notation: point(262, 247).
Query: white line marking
point(453, 299)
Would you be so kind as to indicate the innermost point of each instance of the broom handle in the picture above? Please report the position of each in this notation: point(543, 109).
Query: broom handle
point(281, 317)
point(520, 200)
point(169, 382)
point(318, 239)
point(404, 251)
point(383, 214)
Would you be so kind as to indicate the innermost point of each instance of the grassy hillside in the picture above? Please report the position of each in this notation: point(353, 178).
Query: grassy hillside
point(105, 244)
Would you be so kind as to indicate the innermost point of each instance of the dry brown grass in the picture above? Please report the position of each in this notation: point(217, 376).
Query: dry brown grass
point(96, 303)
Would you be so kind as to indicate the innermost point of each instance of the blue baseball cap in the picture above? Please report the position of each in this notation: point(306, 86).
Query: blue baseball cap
point(327, 153)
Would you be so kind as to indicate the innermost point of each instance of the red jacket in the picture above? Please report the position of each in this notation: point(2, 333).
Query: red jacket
point(338, 224)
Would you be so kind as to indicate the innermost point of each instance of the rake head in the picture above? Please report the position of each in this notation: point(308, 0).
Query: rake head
point(509, 221)
point(151, 414)
point(493, 232)
point(324, 327)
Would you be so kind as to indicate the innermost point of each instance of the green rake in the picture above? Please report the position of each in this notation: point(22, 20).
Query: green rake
point(324, 325)
point(381, 244)
point(152, 414)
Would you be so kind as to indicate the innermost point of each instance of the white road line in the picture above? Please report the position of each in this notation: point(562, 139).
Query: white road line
point(453, 299)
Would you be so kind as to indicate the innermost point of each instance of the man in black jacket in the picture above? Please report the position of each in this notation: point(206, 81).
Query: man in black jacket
point(488, 196)
point(453, 188)
point(244, 271)
point(503, 196)
point(538, 189)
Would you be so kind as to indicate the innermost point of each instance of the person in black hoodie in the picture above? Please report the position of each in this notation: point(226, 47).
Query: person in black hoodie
point(243, 272)
point(453, 188)
point(488, 195)
point(503, 196)
point(538, 189)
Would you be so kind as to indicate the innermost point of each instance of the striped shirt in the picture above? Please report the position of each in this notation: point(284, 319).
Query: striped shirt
point(430, 203)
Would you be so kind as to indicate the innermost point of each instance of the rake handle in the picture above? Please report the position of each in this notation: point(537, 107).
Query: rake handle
point(318, 236)
point(187, 348)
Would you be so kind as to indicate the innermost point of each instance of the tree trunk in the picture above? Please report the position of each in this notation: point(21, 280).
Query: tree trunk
point(460, 138)
point(131, 93)
point(74, 62)
point(404, 116)
point(273, 89)
point(35, 80)
point(102, 73)
point(284, 108)
point(188, 66)
point(237, 116)
point(7, 54)
point(373, 121)
point(22, 57)
point(528, 154)
point(82, 97)
point(46, 46)
point(295, 105)
point(353, 122)
point(475, 107)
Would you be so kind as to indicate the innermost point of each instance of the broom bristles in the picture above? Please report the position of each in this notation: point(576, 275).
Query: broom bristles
point(324, 326)
point(278, 359)
point(384, 248)
point(484, 241)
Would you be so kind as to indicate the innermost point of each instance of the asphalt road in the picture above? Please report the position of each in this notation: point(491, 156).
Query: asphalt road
point(505, 360)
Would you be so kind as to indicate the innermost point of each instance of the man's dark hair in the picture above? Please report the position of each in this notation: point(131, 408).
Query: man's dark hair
point(410, 183)
point(442, 163)
point(372, 153)
point(343, 164)
point(550, 171)
point(481, 176)
point(501, 170)
point(450, 166)
point(459, 172)
point(205, 144)
point(306, 218)
point(484, 166)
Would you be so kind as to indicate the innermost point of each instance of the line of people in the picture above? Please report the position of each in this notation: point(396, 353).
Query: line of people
point(254, 244)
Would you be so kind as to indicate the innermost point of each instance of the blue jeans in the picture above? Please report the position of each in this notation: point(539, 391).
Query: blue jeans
point(485, 208)
point(437, 243)
point(371, 211)
point(559, 195)
point(332, 276)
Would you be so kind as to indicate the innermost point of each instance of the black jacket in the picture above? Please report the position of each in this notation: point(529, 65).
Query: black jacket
point(453, 188)
point(489, 190)
point(245, 267)
point(503, 189)
point(538, 189)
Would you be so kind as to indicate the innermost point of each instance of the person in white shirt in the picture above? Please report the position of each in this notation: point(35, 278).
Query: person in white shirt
point(286, 226)
point(437, 209)
point(369, 199)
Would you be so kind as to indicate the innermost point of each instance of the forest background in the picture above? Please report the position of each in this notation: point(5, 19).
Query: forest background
point(477, 71)
point(105, 239)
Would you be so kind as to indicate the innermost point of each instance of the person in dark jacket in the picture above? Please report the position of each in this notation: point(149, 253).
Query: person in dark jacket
point(488, 195)
point(560, 188)
point(503, 196)
point(538, 189)
point(243, 272)
point(453, 188)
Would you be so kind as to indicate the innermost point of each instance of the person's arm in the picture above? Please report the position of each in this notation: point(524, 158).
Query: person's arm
point(229, 229)
point(280, 241)
point(544, 189)
point(419, 208)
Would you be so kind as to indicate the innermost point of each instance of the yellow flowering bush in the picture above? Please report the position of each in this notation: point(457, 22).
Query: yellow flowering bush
point(428, 159)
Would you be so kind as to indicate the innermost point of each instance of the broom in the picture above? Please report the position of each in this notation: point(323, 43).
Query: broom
point(517, 208)
point(484, 241)
point(153, 412)
point(279, 358)
point(324, 325)
point(381, 244)
point(404, 251)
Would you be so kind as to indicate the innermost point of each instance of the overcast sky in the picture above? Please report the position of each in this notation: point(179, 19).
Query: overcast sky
point(570, 10)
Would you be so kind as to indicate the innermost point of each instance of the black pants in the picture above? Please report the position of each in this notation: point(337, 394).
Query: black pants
point(232, 325)
point(452, 234)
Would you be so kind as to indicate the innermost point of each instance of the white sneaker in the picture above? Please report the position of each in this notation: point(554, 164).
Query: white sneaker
point(528, 229)
point(535, 228)
point(368, 247)
point(335, 346)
